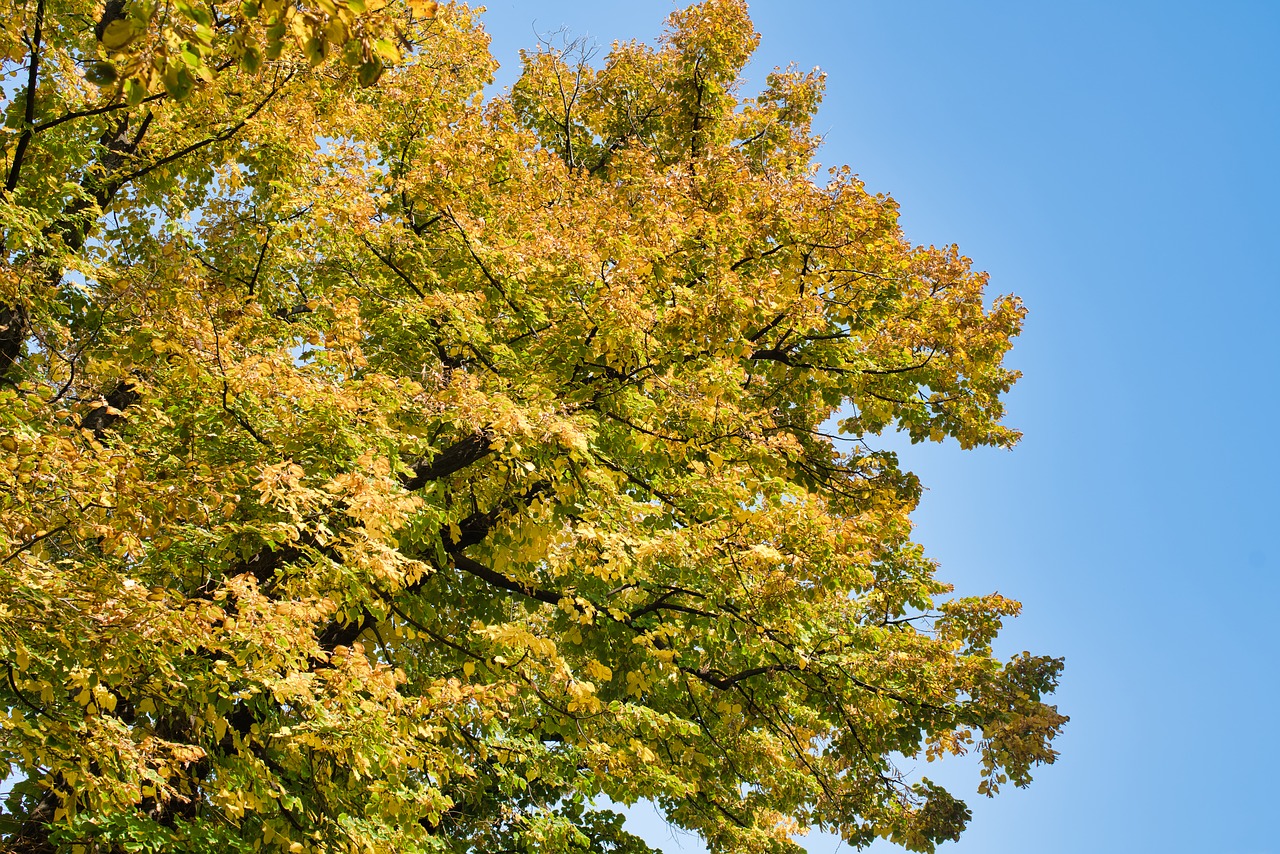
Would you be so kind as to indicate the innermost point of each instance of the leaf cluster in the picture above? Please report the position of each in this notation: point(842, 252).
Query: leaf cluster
point(388, 469)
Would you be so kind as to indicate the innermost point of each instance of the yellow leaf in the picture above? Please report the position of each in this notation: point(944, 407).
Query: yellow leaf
point(313, 49)
point(387, 49)
point(118, 34)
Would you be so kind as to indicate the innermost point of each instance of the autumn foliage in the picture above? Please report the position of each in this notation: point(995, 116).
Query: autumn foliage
point(387, 469)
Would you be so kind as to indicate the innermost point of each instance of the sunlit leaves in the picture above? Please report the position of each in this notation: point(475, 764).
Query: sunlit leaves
point(388, 470)
point(172, 48)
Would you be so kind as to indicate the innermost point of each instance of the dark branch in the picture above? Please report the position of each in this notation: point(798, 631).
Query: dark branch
point(29, 117)
point(499, 580)
point(391, 265)
point(196, 146)
point(454, 458)
point(96, 111)
point(103, 417)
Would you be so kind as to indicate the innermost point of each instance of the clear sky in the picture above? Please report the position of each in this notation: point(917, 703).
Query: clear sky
point(1115, 164)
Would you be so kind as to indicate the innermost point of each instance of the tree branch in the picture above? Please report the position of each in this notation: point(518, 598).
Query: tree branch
point(386, 260)
point(196, 146)
point(29, 117)
point(101, 418)
point(497, 579)
point(96, 111)
point(459, 455)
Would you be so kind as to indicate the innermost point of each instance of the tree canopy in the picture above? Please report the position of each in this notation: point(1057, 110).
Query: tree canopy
point(390, 468)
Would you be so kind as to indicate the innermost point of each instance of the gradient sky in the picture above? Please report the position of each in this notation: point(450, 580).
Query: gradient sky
point(1115, 164)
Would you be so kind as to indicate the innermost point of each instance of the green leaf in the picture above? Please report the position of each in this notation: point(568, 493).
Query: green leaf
point(313, 50)
point(369, 72)
point(177, 82)
point(251, 59)
point(119, 33)
point(352, 53)
point(102, 74)
point(134, 92)
point(193, 12)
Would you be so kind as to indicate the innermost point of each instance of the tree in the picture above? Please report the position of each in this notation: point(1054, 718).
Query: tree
point(389, 469)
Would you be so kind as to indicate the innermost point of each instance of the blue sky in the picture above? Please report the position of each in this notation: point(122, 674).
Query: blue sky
point(1115, 164)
